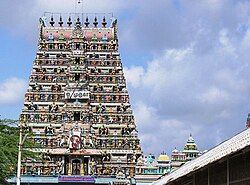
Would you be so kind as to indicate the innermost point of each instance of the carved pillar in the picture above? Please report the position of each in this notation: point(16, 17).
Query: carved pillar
point(70, 167)
point(82, 168)
point(132, 172)
point(63, 164)
point(89, 171)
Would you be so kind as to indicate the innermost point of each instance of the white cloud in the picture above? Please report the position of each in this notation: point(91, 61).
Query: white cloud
point(213, 96)
point(246, 40)
point(12, 91)
point(134, 75)
point(160, 134)
point(188, 92)
point(167, 69)
point(144, 113)
point(226, 43)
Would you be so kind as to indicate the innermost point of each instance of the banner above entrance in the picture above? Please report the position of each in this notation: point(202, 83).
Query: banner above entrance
point(86, 179)
point(77, 94)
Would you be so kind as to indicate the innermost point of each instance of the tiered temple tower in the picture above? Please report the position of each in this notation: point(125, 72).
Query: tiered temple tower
point(190, 152)
point(190, 149)
point(77, 104)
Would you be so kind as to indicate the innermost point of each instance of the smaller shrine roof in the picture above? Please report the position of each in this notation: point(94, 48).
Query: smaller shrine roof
point(175, 151)
point(163, 158)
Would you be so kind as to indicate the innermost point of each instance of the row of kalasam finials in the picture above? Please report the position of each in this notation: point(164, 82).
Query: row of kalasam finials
point(78, 22)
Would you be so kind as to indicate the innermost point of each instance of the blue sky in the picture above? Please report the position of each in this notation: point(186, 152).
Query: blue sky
point(186, 64)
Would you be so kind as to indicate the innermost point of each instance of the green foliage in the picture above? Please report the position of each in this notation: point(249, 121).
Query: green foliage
point(9, 139)
point(8, 149)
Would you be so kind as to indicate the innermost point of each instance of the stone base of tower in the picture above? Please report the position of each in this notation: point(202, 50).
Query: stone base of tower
point(69, 180)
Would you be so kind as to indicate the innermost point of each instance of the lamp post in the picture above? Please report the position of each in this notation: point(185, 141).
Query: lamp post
point(18, 180)
point(20, 145)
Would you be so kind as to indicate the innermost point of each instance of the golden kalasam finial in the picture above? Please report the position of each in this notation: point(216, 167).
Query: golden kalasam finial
point(104, 23)
point(69, 21)
point(87, 22)
point(60, 21)
point(95, 22)
point(52, 22)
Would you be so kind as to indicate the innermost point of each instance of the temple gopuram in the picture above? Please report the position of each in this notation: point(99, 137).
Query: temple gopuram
point(77, 106)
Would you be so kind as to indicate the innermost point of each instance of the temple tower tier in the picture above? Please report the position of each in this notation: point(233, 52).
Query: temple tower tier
point(77, 104)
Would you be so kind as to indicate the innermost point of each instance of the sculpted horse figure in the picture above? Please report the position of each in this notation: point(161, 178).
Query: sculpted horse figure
point(43, 21)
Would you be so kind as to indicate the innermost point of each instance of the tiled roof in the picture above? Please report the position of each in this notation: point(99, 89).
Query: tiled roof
point(236, 143)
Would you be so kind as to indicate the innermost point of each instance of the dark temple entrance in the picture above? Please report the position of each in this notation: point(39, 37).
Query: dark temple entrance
point(76, 167)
